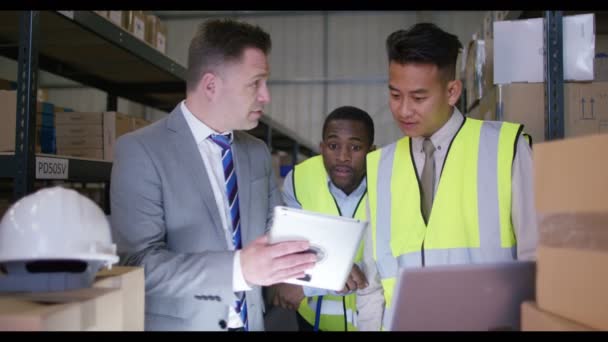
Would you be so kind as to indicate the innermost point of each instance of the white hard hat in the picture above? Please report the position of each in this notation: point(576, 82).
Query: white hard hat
point(56, 224)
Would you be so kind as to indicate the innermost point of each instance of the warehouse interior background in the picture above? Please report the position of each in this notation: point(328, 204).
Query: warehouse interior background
point(101, 74)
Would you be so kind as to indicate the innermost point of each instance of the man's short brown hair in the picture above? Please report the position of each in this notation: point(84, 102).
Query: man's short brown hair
point(221, 41)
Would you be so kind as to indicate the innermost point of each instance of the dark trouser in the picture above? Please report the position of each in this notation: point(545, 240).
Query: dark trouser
point(303, 325)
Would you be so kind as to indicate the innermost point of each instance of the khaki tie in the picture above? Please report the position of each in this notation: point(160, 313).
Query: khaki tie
point(428, 178)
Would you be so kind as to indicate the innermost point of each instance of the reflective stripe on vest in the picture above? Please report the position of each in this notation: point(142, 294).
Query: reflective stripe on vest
point(312, 192)
point(470, 221)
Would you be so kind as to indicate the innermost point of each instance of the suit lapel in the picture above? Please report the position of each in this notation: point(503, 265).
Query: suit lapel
point(189, 156)
point(242, 166)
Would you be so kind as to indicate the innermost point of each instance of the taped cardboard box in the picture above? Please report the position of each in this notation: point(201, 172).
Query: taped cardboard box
point(535, 319)
point(571, 197)
point(91, 309)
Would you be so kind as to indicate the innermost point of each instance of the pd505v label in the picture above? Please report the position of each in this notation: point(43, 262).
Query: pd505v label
point(51, 168)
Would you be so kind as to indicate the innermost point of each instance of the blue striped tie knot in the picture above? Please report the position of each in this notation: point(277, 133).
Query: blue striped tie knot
point(223, 141)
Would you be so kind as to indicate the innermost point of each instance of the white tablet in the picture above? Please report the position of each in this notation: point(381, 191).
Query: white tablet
point(334, 239)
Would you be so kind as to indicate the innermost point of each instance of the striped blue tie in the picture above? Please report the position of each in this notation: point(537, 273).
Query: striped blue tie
point(233, 202)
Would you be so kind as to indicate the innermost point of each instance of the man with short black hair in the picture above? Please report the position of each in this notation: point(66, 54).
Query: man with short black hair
point(332, 183)
point(454, 190)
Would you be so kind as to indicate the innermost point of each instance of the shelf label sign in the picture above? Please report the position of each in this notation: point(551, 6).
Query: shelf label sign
point(51, 168)
point(69, 14)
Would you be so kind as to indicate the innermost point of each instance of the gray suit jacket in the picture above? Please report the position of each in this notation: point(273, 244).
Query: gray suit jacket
point(164, 218)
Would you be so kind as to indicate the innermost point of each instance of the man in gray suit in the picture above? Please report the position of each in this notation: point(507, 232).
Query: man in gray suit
point(177, 209)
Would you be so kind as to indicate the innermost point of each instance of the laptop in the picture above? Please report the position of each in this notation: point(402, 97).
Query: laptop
point(475, 297)
point(334, 239)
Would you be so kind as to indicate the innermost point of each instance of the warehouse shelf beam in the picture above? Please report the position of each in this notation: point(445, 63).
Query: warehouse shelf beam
point(554, 76)
point(79, 170)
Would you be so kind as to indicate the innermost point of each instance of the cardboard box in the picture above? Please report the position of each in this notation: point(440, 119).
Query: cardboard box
point(535, 319)
point(82, 152)
point(486, 110)
point(81, 142)
point(137, 24)
point(91, 309)
point(79, 131)
point(119, 18)
point(131, 283)
point(8, 117)
point(151, 27)
point(570, 175)
point(139, 123)
point(573, 283)
point(571, 199)
point(161, 37)
point(115, 124)
point(78, 118)
point(585, 107)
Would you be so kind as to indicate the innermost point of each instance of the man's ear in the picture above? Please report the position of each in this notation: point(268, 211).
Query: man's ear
point(454, 91)
point(209, 85)
point(372, 148)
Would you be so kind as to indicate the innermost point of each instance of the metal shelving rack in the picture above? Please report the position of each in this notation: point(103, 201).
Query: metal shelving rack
point(87, 48)
point(554, 76)
point(554, 73)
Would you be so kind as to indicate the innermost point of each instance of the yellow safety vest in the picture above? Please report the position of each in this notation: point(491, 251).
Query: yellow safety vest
point(470, 221)
point(312, 192)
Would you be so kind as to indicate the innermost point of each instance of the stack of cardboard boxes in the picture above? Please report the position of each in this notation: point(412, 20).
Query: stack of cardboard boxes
point(571, 189)
point(145, 26)
point(65, 132)
point(115, 302)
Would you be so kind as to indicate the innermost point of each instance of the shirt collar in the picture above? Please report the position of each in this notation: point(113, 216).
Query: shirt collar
point(442, 138)
point(198, 128)
point(358, 192)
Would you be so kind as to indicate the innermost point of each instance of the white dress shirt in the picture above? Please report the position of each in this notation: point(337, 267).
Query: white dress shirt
point(370, 301)
point(212, 158)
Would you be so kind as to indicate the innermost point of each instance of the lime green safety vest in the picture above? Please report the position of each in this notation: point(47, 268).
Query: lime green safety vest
point(470, 221)
point(312, 192)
